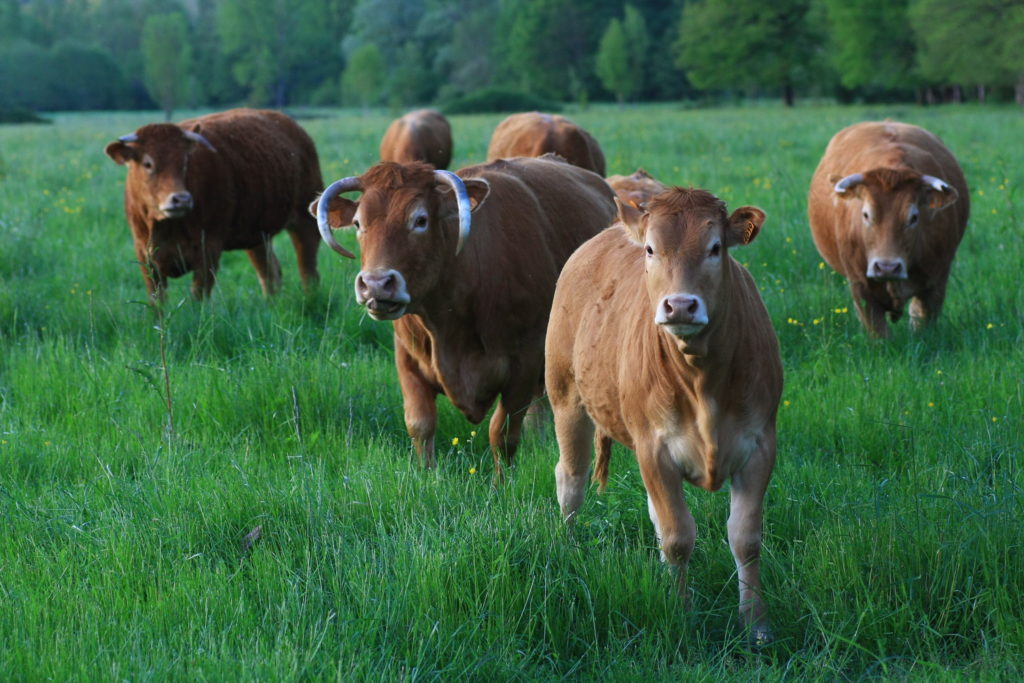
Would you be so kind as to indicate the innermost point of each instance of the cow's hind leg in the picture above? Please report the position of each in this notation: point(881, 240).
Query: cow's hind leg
point(306, 240)
point(268, 268)
point(745, 518)
point(673, 523)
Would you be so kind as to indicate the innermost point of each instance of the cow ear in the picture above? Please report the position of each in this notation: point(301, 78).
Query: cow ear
point(852, 191)
point(340, 213)
point(476, 188)
point(939, 197)
point(744, 224)
point(121, 152)
point(633, 218)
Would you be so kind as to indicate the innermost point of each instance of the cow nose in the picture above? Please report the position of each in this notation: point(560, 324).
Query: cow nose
point(179, 200)
point(681, 309)
point(887, 269)
point(377, 285)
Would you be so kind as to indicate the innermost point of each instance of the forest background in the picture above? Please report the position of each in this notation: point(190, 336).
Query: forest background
point(141, 54)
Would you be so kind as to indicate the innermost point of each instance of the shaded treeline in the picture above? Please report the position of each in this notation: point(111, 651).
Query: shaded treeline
point(107, 54)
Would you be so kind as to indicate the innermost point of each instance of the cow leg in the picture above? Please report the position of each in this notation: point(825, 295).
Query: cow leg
point(506, 426)
point(673, 523)
point(925, 307)
point(268, 268)
point(306, 240)
point(156, 284)
point(206, 272)
point(745, 518)
point(420, 400)
point(869, 310)
point(574, 431)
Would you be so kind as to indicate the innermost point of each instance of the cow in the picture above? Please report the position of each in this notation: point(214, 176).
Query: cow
point(636, 189)
point(659, 339)
point(421, 135)
point(532, 134)
point(888, 205)
point(469, 309)
point(230, 180)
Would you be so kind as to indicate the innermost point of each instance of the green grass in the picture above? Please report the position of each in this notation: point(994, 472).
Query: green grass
point(893, 533)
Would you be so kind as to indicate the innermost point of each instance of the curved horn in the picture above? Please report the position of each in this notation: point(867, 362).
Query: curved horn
point(131, 137)
point(849, 181)
point(461, 200)
point(935, 183)
point(196, 137)
point(333, 190)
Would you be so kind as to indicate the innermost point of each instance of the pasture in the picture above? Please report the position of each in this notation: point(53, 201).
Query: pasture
point(893, 522)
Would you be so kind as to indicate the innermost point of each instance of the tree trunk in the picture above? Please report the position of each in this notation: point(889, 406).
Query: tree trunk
point(787, 95)
point(958, 95)
point(1018, 90)
point(981, 94)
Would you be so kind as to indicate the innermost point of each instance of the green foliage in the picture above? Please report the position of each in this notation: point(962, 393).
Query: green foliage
point(37, 78)
point(893, 520)
point(19, 115)
point(497, 100)
point(363, 80)
point(167, 59)
point(869, 43)
point(621, 55)
point(746, 43)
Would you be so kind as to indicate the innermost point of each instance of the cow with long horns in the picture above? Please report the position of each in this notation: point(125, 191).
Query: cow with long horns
point(224, 181)
point(888, 206)
point(465, 266)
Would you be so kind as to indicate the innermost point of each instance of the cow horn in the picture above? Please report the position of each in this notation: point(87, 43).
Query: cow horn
point(196, 137)
point(333, 190)
point(131, 137)
point(461, 200)
point(849, 181)
point(935, 183)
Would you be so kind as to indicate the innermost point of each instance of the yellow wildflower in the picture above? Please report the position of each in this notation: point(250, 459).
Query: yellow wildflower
point(472, 470)
point(455, 441)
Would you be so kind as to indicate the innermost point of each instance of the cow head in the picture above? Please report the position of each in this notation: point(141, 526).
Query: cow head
point(892, 210)
point(635, 189)
point(411, 223)
point(686, 234)
point(157, 158)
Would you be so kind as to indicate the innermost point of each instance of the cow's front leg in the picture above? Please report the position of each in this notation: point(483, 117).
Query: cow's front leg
point(306, 240)
point(419, 397)
point(925, 307)
point(673, 523)
point(745, 518)
point(869, 310)
point(268, 268)
point(156, 284)
point(205, 273)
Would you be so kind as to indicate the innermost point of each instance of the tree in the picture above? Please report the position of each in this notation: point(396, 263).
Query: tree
point(612, 62)
point(746, 44)
point(868, 43)
point(363, 80)
point(166, 59)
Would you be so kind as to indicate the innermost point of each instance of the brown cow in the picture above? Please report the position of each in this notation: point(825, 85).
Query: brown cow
point(888, 206)
point(219, 182)
point(469, 310)
point(660, 339)
point(533, 134)
point(421, 135)
point(636, 189)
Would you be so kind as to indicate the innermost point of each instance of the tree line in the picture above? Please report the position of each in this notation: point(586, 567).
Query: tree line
point(111, 54)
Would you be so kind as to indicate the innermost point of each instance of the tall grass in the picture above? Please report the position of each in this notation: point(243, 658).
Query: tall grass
point(893, 522)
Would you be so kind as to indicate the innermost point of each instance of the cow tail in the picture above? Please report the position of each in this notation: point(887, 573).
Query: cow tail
point(603, 449)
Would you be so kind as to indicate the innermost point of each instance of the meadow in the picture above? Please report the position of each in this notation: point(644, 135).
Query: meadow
point(274, 524)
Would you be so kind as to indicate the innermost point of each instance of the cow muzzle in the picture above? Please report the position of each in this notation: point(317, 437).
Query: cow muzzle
point(383, 292)
point(682, 315)
point(887, 269)
point(176, 205)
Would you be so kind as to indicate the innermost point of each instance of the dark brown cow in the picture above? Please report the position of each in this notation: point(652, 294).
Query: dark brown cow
point(215, 183)
point(888, 206)
point(421, 135)
point(469, 309)
point(660, 339)
point(533, 134)
point(636, 189)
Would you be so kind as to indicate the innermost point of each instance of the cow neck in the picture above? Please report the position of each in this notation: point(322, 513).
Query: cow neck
point(441, 309)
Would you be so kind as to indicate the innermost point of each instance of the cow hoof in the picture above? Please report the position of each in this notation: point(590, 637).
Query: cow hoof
point(761, 636)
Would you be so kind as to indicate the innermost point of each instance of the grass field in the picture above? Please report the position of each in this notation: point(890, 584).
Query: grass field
point(893, 525)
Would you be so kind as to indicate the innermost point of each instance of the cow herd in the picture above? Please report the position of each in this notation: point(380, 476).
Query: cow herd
point(532, 273)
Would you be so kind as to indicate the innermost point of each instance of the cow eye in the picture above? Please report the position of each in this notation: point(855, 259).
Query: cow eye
point(147, 164)
point(649, 250)
point(355, 224)
point(420, 222)
point(912, 220)
point(867, 216)
point(716, 249)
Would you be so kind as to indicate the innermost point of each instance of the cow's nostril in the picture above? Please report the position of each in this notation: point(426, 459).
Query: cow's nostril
point(692, 308)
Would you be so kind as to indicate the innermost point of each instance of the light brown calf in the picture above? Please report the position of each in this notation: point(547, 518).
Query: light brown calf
point(888, 206)
point(659, 338)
